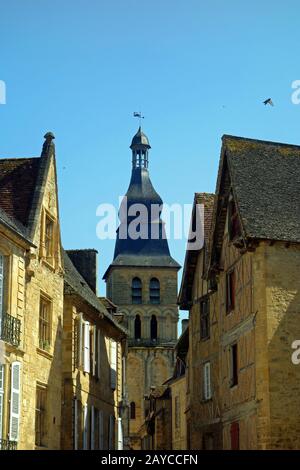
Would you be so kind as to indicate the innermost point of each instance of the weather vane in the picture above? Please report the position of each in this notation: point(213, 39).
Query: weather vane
point(139, 115)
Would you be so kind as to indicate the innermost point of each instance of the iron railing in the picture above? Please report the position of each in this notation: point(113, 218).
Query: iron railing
point(7, 445)
point(10, 329)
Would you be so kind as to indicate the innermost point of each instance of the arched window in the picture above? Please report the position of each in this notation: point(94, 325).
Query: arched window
point(154, 291)
point(137, 327)
point(132, 410)
point(136, 291)
point(153, 328)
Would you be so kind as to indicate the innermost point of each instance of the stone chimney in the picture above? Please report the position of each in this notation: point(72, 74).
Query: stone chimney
point(85, 261)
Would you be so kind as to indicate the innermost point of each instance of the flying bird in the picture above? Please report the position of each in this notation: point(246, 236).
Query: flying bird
point(268, 101)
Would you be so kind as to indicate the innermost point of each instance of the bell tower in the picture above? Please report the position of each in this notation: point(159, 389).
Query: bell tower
point(142, 282)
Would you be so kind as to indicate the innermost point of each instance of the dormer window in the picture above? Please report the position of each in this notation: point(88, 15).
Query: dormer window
point(48, 238)
point(234, 228)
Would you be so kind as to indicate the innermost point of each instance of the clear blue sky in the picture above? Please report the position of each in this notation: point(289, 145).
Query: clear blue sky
point(197, 69)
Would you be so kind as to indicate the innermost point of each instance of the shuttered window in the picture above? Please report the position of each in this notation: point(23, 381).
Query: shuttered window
point(206, 381)
point(86, 352)
point(113, 364)
point(98, 353)
point(75, 424)
point(14, 422)
point(230, 291)
point(233, 365)
point(2, 368)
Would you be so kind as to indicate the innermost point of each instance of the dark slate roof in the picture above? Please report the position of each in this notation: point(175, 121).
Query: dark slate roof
point(140, 139)
point(265, 178)
point(75, 284)
point(191, 256)
point(143, 262)
point(18, 177)
point(15, 226)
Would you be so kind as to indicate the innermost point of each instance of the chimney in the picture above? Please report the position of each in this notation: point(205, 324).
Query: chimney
point(85, 261)
point(184, 325)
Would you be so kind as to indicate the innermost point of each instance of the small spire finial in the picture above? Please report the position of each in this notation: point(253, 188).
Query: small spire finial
point(48, 144)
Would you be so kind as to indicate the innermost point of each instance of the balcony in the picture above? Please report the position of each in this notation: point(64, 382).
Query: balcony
point(10, 329)
point(7, 445)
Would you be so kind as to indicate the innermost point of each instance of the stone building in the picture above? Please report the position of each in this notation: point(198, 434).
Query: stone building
point(203, 406)
point(31, 302)
point(142, 282)
point(94, 408)
point(165, 425)
point(248, 315)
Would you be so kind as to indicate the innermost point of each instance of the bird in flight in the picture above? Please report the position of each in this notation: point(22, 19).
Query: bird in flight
point(268, 101)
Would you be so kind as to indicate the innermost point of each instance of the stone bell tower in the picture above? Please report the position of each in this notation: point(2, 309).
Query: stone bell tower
point(142, 282)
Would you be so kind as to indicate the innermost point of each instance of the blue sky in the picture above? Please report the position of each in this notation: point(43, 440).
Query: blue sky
point(197, 69)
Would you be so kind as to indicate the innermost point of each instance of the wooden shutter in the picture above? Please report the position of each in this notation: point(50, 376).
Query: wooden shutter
point(113, 364)
point(1, 396)
point(79, 341)
point(120, 434)
point(98, 353)
point(86, 361)
point(207, 381)
point(85, 427)
point(94, 349)
point(92, 447)
point(15, 401)
point(101, 431)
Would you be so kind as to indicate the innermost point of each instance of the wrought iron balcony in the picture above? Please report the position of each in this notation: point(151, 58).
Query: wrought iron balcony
point(10, 329)
point(7, 445)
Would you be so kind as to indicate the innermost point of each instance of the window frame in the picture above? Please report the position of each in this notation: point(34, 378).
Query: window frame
point(234, 365)
point(136, 291)
point(43, 341)
point(204, 318)
point(41, 416)
point(207, 386)
point(230, 290)
point(154, 291)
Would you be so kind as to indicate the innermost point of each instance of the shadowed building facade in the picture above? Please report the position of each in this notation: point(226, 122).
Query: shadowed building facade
point(142, 282)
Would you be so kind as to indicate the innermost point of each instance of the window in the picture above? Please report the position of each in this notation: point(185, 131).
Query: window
point(230, 291)
point(204, 319)
point(132, 410)
point(49, 238)
point(95, 346)
point(136, 289)
point(45, 323)
point(233, 365)
point(235, 436)
point(234, 229)
point(40, 416)
point(137, 327)
point(154, 291)
point(111, 433)
point(206, 381)
point(177, 412)
point(208, 441)
point(153, 328)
